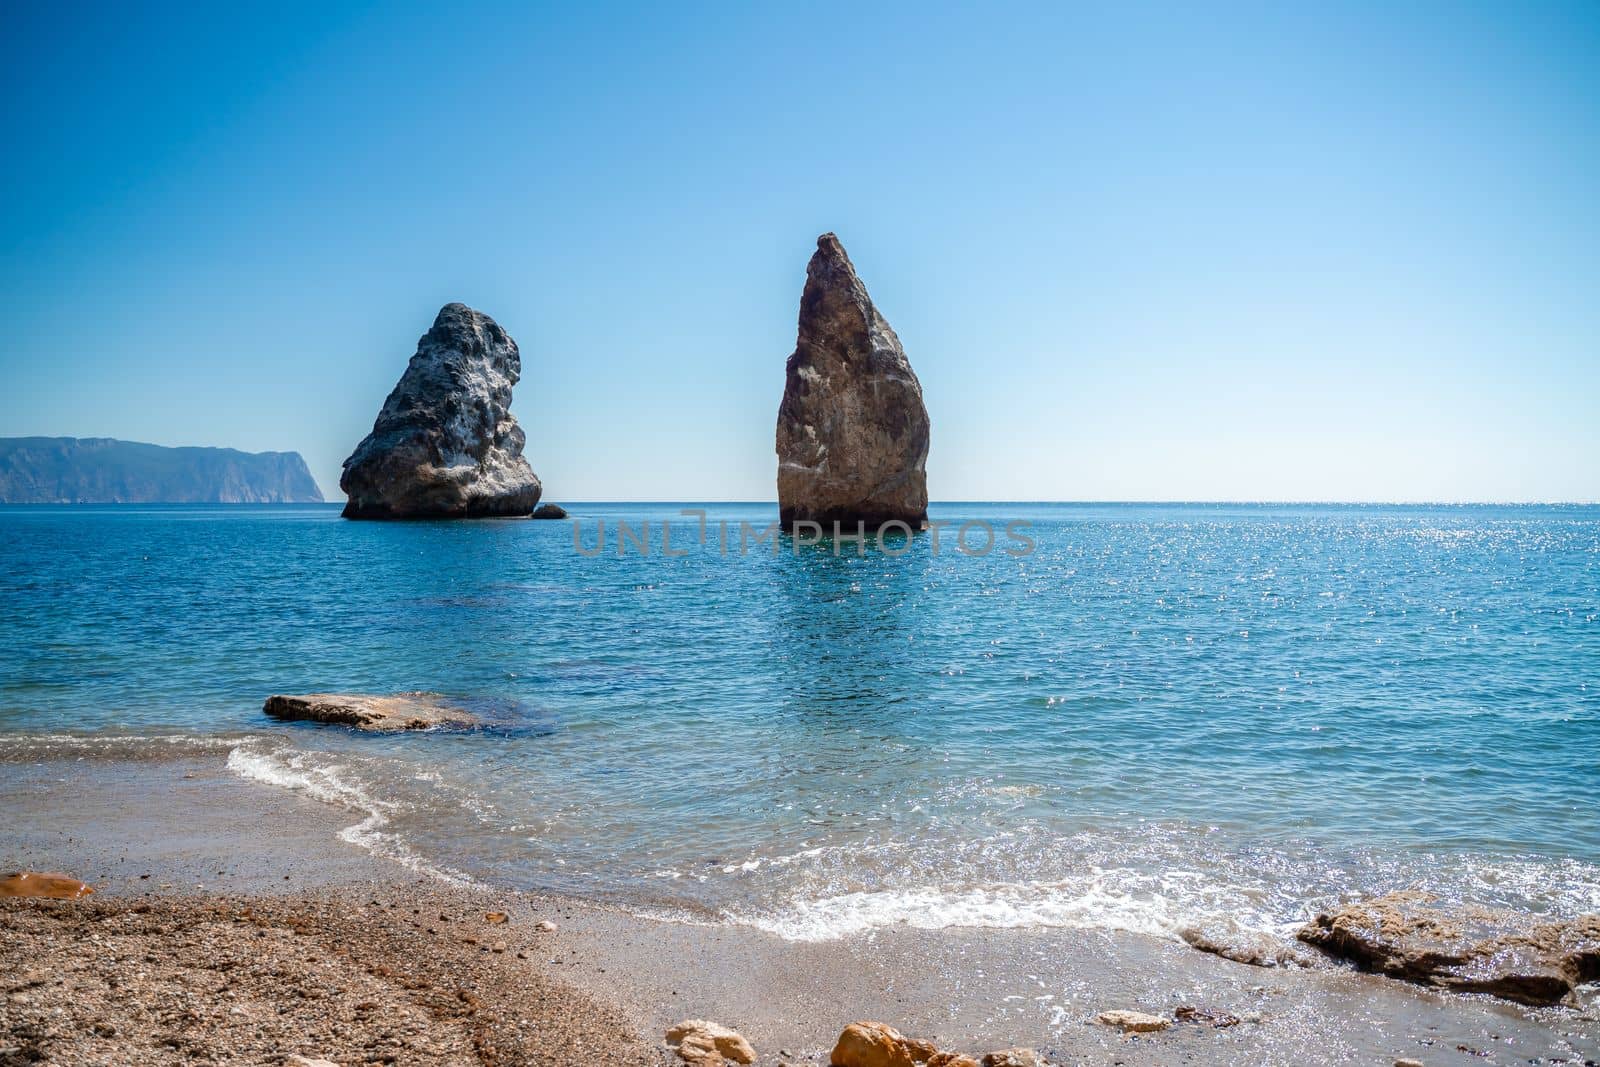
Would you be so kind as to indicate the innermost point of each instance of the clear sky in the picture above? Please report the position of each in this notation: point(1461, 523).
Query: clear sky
point(1335, 251)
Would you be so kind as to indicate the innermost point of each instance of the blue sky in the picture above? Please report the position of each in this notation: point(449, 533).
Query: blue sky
point(1264, 251)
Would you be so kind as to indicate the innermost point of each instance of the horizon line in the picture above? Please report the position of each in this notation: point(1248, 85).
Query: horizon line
point(1151, 502)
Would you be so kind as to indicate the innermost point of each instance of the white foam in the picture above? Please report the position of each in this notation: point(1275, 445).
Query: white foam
point(47, 745)
point(299, 772)
point(1139, 901)
point(996, 906)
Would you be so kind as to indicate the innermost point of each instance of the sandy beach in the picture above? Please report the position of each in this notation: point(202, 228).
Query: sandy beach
point(232, 924)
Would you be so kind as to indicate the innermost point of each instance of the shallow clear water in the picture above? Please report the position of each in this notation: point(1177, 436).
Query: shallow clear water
point(1163, 713)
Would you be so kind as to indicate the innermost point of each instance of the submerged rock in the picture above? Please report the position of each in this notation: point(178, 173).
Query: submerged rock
point(404, 711)
point(1219, 1020)
point(550, 511)
point(445, 444)
point(708, 1044)
point(852, 435)
point(1248, 946)
point(1470, 950)
point(46, 884)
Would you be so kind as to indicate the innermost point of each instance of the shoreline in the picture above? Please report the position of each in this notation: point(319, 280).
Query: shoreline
point(186, 835)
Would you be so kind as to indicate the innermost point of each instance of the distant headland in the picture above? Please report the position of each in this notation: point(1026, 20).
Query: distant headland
point(100, 470)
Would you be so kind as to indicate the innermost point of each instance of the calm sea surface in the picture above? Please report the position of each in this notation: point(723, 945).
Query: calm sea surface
point(1164, 713)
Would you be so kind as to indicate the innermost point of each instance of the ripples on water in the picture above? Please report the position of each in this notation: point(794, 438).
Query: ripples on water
point(1164, 712)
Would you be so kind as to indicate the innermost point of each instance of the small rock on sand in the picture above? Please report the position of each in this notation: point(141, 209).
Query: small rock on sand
point(708, 1044)
point(1407, 1063)
point(43, 884)
point(870, 1044)
point(403, 711)
point(1013, 1057)
point(545, 926)
point(1133, 1022)
point(307, 1061)
point(496, 918)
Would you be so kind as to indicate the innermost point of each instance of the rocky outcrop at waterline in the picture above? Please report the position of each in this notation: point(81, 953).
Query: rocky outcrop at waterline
point(852, 436)
point(404, 711)
point(550, 511)
point(1468, 950)
point(445, 444)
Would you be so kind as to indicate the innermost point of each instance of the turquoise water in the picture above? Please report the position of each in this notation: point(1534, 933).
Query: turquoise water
point(1163, 713)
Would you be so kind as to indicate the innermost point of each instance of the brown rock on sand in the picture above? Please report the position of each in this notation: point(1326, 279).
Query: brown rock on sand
point(870, 1044)
point(43, 884)
point(952, 1059)
point(1470, 950)
point(402, 711)
point(708, 1044)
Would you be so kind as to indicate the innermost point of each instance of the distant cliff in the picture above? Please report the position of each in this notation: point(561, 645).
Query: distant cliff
point(98, 470)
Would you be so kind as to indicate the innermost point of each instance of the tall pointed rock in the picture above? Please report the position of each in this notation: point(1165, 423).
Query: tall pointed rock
point(852, 431)
point(445, 444)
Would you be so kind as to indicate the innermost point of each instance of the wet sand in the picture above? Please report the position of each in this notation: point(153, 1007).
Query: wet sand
point(238, 871)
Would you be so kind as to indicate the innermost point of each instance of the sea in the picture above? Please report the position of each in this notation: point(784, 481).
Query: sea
point(1132, 716)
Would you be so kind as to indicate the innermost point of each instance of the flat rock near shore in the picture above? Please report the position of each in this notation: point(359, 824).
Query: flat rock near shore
point(401, 711)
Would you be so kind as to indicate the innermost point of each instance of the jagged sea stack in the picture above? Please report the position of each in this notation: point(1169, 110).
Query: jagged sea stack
point(445, 444)
point(852, 431)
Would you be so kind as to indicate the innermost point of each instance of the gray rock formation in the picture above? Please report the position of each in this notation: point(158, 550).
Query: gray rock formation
point(445, 444)
point(99, 470)
point(1470, 950)
point(550, 511)
point(405, 711)
point(852, 431)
